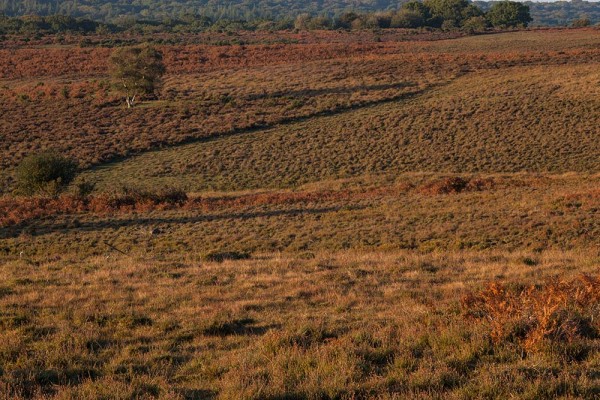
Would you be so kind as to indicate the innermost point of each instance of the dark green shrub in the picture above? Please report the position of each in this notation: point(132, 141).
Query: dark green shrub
point(46, 173)
point(475, 24)
point(509, 14)
point(407, 19)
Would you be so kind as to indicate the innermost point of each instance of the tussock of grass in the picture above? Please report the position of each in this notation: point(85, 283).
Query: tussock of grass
point(339, 325)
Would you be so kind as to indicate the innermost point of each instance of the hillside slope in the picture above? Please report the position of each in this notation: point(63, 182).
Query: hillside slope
point(523, 119)
point(60, 97)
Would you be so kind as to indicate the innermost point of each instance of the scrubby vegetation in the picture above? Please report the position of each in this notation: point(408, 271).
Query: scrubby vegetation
point(303, 214)
point(330, 325)
point(430, 132)
point(414, 212)
point(46, 172)
point(202, 98)
point(562, 315)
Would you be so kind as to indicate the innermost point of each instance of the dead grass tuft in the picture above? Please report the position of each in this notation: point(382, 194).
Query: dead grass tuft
point(557, 313)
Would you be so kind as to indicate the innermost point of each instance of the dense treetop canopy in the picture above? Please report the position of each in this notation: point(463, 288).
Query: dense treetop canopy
point(119, 11)
point(509, 14)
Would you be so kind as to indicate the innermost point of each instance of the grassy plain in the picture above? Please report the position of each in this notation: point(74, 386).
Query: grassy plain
point(350, 197)
point(325, 325)
point(509, 212)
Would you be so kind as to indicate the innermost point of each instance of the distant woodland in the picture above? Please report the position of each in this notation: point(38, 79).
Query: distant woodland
point(209, 12)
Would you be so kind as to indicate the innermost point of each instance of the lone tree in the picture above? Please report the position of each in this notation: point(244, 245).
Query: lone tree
point(46, 173)
point(138, 70)
point(507, 14)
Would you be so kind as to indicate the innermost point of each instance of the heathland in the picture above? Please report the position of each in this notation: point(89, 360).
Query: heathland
point(313, 215)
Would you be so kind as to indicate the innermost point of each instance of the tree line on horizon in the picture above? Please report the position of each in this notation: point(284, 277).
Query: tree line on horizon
point(431, 14)
point(442, 14)
point(123, 12)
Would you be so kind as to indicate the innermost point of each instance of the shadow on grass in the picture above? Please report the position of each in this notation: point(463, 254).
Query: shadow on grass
point(324, 91)
point(198, 137)
point(198, 394)
point(41, 228)
point(237, 327)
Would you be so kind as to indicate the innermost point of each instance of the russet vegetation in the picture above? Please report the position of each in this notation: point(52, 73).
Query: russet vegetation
point(203, 97)
point(313, 325)
point(306, 215)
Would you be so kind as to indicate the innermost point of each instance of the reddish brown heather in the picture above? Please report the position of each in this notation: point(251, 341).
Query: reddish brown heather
point(16, 210)
point(77, 62)
point(61, 96)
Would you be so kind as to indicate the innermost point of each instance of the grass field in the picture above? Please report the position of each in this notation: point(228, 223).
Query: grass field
point(332, 325)
point(307, 216)
point(535, 119)
point(509, 212)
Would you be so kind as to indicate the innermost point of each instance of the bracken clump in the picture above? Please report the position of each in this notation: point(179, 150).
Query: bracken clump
point(558, 312)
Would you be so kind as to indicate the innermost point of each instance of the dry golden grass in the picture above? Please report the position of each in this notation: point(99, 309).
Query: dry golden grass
point(307, 326)
point(512, 212)
point(534, 119)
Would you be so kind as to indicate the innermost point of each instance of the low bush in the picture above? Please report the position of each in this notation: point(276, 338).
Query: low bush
point(84, 188)
point(132, 198)
point(45, 173)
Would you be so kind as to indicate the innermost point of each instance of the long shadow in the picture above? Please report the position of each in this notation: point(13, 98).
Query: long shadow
point(238, 327)
point(319, 92)
point(33, 229)
point(198, 394)
point(282, 122)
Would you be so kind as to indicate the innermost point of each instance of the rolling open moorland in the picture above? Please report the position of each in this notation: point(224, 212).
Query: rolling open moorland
point(313, 215)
